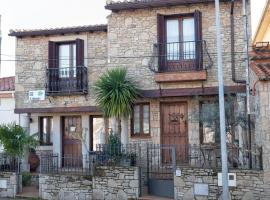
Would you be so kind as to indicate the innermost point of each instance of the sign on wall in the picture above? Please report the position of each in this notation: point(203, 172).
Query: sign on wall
point(201, 189)
point(38, 95)
point(3, 184)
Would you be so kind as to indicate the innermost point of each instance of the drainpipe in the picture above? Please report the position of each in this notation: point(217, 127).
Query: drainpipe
point(233, 47)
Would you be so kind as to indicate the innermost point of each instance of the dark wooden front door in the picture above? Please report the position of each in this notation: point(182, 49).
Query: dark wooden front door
point(72, 144)
point(174, 131)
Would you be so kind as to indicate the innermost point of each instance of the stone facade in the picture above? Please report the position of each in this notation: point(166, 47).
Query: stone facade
point(119, 183)
point(250, 185)
point(13, 184)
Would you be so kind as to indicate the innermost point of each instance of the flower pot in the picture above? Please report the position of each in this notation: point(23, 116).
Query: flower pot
point(33, 161)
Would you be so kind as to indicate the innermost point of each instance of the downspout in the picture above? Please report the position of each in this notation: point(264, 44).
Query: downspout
point(233, 47)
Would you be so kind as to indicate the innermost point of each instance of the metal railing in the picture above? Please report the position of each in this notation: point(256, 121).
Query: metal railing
point(180, 56)
point(9, 163)
point(105, 155)
point(158, 159)
point(68, 80)
point(204, 156)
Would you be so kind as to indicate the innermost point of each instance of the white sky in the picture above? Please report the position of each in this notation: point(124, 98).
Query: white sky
point(31, 14)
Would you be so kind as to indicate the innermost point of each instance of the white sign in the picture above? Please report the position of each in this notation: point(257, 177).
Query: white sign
point(231, 178)
point(36, 95)
point(178, 172)
point(201, 189)
point(3, 184)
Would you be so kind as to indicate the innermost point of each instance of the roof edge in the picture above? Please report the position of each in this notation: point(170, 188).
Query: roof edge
point(139, 4)
point(58, 31)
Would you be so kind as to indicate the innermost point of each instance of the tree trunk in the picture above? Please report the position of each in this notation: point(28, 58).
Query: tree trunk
point(124, 131)
point(114, 125)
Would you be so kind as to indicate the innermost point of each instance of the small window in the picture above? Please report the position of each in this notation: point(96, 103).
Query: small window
point(141, 120)
point(45, 133)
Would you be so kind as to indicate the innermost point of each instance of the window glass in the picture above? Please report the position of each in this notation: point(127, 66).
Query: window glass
point(136, 119)
point(67, 60)
point(46, 130)
point(141, 121)
point(173, 39)
point(146, 125)
point(189, 38)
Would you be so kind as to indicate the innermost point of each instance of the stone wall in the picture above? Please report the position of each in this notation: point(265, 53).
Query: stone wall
point(249, 184)
point(31, 75)
point(110, 183)
point(12, 181)
point(132, 35)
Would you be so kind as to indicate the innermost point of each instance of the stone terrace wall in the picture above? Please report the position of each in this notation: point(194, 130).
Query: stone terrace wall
point(12, 184)
point(250, 184)
point(107, 183)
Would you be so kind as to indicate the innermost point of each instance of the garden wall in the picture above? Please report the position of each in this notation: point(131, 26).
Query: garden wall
point(10, 184)
point(107, 183)
point(249, 184)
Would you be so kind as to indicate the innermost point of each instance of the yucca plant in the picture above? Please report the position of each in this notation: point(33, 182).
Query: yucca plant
point(116, 93)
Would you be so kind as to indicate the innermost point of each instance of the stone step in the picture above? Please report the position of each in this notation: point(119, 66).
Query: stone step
point(29, 192)
point(148, 197)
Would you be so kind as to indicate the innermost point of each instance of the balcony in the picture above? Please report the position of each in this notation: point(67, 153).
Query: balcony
point(67, 81)
point(180, 61)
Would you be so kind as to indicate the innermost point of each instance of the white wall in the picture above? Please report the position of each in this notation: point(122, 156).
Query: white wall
point(7, 114)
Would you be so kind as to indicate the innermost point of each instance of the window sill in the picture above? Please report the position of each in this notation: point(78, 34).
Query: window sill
point(140, 136)
point(181, 76)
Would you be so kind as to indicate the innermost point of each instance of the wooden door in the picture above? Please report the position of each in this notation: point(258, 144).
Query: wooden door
point(72, 144)
point(174, 131)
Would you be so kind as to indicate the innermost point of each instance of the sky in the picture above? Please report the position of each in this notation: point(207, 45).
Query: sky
point(32, 14)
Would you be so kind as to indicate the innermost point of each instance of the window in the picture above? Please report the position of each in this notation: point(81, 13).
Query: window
point(141, 120)
point(67, 60)
point(180, 37)
point(45, 130)
point(209, 122)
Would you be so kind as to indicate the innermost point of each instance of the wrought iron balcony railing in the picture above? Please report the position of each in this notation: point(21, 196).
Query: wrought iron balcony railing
point(69, 80)
point(180, 56)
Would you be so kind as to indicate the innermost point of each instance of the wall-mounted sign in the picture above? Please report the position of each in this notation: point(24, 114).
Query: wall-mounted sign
point(38, 95)
point(3, 184)
point(201, 189)
point(178, 172)
point(231, 178)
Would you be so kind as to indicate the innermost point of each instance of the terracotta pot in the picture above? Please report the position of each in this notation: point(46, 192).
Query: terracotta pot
point(33, 161)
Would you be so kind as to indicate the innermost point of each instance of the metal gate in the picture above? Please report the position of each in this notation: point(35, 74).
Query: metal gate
point(161, 164)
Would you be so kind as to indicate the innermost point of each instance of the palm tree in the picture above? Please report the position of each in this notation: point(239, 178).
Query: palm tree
point(115, 95)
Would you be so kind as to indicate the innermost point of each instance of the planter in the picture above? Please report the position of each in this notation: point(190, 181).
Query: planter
point(33, 161)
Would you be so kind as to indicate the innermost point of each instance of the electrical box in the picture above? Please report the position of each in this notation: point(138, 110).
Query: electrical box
point(231, 179)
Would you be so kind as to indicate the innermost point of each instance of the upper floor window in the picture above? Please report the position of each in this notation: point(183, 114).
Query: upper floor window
point(67, 60)
point(45, 130)
point(180, 38)
point(141, 120)
point(180, 42)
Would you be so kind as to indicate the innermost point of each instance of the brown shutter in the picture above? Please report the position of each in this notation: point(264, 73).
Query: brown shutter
point(52, 55)
point(52, 73)
point(161, 40)
point(198, 39)
point(79, 52)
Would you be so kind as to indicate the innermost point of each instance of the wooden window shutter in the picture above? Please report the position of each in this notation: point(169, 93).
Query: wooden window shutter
point(161, 40)
point(79, 52)
point(198, 39)
point(52, 55)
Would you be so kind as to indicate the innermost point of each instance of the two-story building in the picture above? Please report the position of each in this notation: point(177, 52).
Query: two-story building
point(168, 47)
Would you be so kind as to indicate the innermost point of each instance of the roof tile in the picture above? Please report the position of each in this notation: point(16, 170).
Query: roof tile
point(7, 83)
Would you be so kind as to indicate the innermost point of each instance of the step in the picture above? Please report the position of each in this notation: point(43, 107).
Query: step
point(149, 197)
point(29, 192)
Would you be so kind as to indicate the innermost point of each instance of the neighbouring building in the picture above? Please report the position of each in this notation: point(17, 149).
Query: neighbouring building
point(169, 48)
point(260, 87)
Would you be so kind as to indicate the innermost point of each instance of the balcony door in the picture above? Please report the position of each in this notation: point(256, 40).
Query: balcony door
point(180, 43)
point(66, 69)
point(179, 38)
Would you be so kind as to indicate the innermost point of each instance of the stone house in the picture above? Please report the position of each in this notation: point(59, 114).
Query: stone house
point(168, 47)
